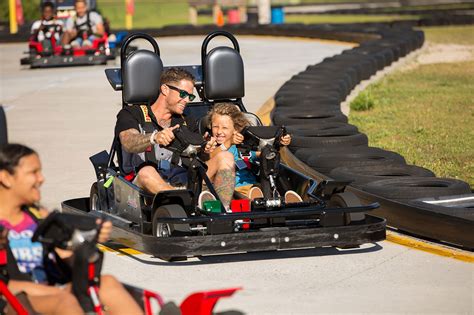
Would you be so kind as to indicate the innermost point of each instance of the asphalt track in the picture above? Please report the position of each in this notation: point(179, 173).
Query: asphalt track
point(68, 114)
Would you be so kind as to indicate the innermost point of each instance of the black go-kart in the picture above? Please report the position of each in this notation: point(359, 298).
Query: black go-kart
point(170, 225)
point(50, 53)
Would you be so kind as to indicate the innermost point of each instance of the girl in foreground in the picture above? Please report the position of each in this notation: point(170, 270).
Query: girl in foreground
point(20, 181)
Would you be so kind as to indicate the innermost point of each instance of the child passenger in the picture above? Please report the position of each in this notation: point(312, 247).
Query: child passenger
point(20, 181)
point(226, 122)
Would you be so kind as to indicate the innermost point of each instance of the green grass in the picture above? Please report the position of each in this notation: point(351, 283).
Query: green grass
point(462, 35)
point(427, 115)
point(150, 14)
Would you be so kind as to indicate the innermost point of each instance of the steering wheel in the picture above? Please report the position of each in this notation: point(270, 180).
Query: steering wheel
point(66, 230)
point(258, 137)
point(186, 143)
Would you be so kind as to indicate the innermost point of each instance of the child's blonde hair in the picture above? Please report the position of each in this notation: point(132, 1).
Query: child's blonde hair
point(231, 110)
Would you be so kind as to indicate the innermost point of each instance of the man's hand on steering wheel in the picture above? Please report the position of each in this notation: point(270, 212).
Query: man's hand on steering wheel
point(165, 136)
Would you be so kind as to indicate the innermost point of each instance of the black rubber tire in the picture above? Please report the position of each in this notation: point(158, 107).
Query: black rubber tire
point(363, 174)
point(94, 201)
point(326, 162)
point(305, 153)
point(170, 230)
point(334, 128)
point(343, 200)
point(282, 113)
point(3, 127)
point(302, 102)
point(311, 141)
point(295, 118)
point(410, 188)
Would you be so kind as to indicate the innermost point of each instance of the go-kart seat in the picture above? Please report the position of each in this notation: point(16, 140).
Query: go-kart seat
point(141, 72)
point(223, 78)
point(223, 74)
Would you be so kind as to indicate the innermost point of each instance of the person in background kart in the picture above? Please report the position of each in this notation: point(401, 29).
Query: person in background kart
point(165, 115)
point(226, 122)
point(48, 27)
point(20, 181)
point(82, 29)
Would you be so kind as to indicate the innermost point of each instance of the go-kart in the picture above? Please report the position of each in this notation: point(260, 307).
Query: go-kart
point(171, 225)
point(79, 234)
point(48, 53)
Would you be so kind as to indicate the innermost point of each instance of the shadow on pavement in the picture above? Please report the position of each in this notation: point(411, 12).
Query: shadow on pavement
point(241, 257)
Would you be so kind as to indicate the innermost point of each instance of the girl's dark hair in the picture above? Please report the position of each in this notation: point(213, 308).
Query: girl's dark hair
point(48, 4)
point(11, 154)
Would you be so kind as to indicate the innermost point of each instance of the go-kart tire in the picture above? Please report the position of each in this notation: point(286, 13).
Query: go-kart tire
point(326, 162)
point(343, 200)
point(170, 230)
point(363, 174)
point(94, 201)
point(409, 188)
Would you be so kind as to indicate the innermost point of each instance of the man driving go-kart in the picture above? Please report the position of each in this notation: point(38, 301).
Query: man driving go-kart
point(145, 131)
point(82, 29)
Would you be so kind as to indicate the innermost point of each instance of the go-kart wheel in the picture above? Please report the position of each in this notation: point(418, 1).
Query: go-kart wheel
point(94, 203)
point(347, 199)
point(168, 229)
point(343, 200)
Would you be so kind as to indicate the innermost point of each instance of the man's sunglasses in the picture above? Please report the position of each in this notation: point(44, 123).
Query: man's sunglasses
point(182, 93)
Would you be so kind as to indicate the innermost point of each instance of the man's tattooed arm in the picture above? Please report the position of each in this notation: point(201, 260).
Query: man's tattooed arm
point(133, 141)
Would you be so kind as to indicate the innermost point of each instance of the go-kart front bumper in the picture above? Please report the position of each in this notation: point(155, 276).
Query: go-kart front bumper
point(64, 61)
point(369, 230)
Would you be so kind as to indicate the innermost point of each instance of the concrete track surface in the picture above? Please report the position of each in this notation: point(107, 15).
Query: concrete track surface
point(68, 114)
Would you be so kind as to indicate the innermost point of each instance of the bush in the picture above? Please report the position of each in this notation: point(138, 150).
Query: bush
point(31, 10)
point(364, 101)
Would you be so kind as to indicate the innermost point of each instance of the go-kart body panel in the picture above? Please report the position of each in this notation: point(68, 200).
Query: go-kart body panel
point(369, 231)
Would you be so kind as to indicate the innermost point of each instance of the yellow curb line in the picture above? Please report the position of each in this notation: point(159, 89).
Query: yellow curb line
point(121, 251)
point(439, 250)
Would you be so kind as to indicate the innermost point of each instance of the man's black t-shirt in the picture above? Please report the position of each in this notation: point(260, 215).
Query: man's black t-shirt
point(133, 117)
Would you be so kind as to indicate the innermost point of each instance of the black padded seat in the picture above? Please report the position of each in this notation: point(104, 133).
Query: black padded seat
point(141, 73)
point(223, 74)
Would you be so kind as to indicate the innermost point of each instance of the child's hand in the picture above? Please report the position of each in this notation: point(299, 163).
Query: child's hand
point(238, 138)
point(286, 139)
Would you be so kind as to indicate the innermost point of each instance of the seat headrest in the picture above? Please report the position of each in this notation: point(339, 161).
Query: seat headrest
point(141, 73)
point(223, 74)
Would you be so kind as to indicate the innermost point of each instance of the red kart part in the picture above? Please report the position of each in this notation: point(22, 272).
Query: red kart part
point(241, 205)
point(202, 303)
point(12, 300)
